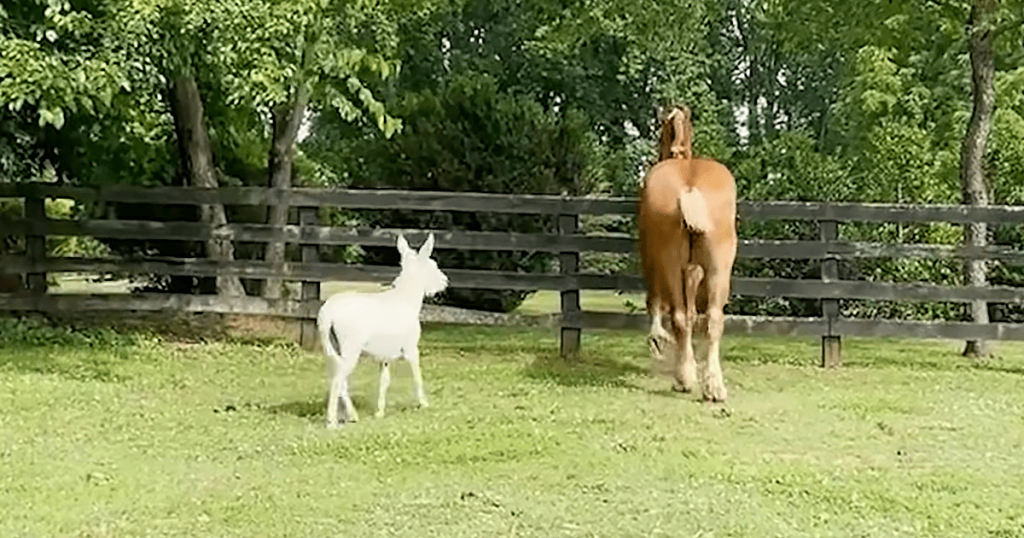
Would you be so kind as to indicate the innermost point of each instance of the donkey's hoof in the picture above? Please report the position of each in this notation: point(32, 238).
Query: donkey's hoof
point(679, 386)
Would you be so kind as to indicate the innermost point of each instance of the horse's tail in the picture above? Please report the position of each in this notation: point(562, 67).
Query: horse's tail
point(693, 208)
point(677, 135)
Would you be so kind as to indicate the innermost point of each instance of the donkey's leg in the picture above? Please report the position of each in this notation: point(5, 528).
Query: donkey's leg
point(338, 394)
point(412, 355)
point(382, 388)
point(334, 386)
point(350, 352)
point(687, 377)
point(335, 374)
point(718, 286)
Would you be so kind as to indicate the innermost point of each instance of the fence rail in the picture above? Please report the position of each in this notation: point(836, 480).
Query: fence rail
point(565, 240)
point(502, 203)
point(469, 278)
point(495, 241)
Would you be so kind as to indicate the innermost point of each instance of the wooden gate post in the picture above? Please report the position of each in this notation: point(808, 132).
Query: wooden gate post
point(35, 246)
point(568, 264)
point(310, 289)
point(831, 350)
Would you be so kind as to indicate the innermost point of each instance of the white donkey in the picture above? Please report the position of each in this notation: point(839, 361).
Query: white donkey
point(384, 325)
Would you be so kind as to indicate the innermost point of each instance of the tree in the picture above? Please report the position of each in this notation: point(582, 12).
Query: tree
point(197, 160)
point(254, 62)
point(980, 33)
point(281, 58)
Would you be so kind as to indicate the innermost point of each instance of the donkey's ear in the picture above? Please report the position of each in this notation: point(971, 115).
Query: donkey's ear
point(403, 246)
point(428, 246)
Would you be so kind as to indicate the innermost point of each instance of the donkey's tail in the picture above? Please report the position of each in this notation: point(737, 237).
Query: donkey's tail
point(328, 337)
point(694, 210)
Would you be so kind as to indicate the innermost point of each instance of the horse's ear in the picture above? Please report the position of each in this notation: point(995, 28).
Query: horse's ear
point(428, 246)
point(403, 246)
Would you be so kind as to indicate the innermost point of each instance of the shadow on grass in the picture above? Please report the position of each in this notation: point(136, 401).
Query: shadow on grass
point(585, 371)
point(998, 366)
point(308, 409)
point(314, 408)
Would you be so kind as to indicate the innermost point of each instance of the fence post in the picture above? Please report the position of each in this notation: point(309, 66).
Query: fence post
point(831, 350)
point(35, 245)
point(568, 263)
point(310, 290)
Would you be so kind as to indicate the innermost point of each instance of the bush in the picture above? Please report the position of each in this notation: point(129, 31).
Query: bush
point(467, 137)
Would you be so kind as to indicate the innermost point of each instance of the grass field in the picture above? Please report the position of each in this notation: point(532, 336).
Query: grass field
point(107, 434)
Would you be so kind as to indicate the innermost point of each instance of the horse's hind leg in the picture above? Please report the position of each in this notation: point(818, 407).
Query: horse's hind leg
point(658, 339)
point(686, 376)
point(718, 294)
point(673, 266)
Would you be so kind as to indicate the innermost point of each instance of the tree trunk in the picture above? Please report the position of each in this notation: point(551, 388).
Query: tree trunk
point(972, 165)
point(286, 121)
point(197, 160)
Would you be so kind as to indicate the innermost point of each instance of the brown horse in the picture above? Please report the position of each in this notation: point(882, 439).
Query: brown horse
point(687, 229)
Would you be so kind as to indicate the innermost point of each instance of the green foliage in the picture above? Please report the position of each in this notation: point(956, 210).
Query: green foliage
point(54, 61)
point(26, 333)
point(517, 97)
point(863, 101)
point(468, 137)
point(266, 50)
point(83, 86)
point(58, 246)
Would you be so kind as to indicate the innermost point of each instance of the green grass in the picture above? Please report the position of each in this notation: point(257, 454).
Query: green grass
point(547, 302)
point(107, 434)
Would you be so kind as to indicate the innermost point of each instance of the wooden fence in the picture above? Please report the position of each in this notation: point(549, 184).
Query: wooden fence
point(568, 243)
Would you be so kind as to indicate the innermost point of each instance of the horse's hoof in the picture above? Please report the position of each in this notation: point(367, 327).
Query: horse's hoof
point(333, 425)
point(715, 394)
point(379, 414)
point(655, 345)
